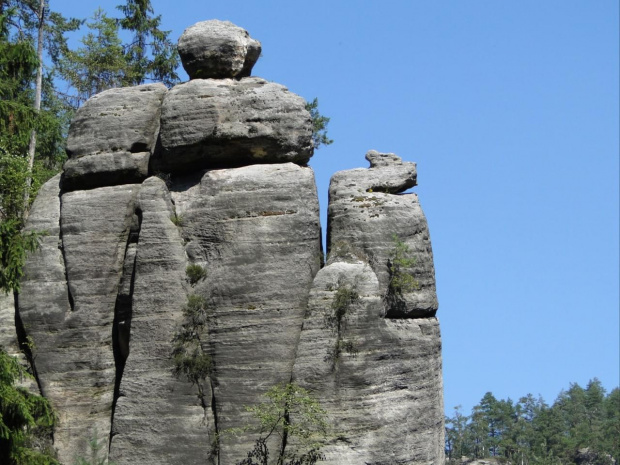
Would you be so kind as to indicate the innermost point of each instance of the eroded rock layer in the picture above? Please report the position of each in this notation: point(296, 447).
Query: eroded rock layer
point(210, 122)
point(113, 136)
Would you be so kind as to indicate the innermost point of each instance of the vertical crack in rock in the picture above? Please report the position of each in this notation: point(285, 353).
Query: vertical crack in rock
point(154, 406)
point(216, 440)
point(26, 347)
point(95, 227)
point(257, 227)
point(61, 246)
point(121, 329)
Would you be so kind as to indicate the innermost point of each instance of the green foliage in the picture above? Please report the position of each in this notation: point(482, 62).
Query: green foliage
point(319, 125)
point(345, 297)
point(97, 453)
point(99, 64)
point(103, 61)
point(24, 418)
point(18, 63)
point(151, 55)
point(400, 263)
point(531, 432)
point(195, 273)
point(18, 118)
point(293, 415)
point(178, 220)
point(190, 360)
point(14, 245)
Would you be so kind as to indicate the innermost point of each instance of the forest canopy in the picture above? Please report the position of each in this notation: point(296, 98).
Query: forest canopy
point(581, 426)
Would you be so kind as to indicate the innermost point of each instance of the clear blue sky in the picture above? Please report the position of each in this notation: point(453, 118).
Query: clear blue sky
point(511, 110)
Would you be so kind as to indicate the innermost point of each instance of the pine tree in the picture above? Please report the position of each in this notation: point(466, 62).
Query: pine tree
point(151, 55)
point(99, 64)
point(20, 174)
point(23, 418)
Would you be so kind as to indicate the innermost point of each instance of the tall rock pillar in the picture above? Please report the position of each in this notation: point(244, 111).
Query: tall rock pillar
point(370, 346)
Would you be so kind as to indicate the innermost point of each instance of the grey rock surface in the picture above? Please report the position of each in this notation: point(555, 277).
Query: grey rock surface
point(112, 136)
point(228, 123)
point(256, 229)
point(217, 49)
point(103, 169)
point(8, 333)
point(382, 387)
point(154, 407)
point(72, 329)
point(366, 213)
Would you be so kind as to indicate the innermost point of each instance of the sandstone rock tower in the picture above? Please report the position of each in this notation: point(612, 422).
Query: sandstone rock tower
point(213, 173)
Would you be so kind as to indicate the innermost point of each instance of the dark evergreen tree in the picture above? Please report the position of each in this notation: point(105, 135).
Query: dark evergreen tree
point(23, 418)
point(18, 118)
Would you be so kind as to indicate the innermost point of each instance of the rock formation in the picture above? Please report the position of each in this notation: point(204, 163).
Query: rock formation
point(211, 175)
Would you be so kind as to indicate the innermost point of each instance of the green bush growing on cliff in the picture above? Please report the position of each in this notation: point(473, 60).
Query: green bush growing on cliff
point(97, 455)
point(14, 246)
point(195, 273)
point(319, 125)
point(400, 263)
point(336, 318)
point(190, 360)
point(25, 418)
point(294, 416)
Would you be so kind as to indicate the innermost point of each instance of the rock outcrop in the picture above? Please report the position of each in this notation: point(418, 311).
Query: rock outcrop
point(368, 210)
point(217, 49)
point(112, 137)
point(224, 123)
point(374, 358)
point(184, 235)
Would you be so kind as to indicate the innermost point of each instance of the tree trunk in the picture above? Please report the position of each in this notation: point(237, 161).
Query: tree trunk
point(37, 103)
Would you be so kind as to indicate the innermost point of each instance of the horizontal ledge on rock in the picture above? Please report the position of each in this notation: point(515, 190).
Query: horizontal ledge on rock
point(105, 169)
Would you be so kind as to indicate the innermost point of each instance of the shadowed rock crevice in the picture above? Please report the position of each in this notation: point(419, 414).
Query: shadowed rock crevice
point(215, 447)
point(121, 328)
point(61, 246)
point(26, 345)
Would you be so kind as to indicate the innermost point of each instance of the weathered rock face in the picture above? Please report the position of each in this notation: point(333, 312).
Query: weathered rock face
point(378, 378)
point(366, 211)
point(374, 360)
point(217, 49)
point(157, 297)
point(112, 137)
point(112, 305)
point(256, 229)
point(207, 122)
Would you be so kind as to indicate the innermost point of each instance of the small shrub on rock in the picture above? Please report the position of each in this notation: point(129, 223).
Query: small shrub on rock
point(400, 263)
point(190, 360)
point(195, 273)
